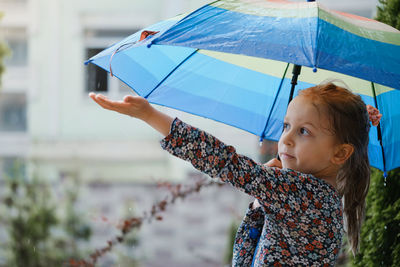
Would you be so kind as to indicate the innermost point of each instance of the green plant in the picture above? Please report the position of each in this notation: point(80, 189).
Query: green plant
point(4, 51)
point(36, 235)
point(389, 12)
point(380, 234)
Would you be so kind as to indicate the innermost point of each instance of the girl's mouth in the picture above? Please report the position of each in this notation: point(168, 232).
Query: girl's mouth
point(285, 156)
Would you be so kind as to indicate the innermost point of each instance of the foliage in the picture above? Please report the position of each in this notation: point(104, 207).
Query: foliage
point(380, 234)
point(36, 235)
point(72, 223)
point(389, 12)
point(4, 51)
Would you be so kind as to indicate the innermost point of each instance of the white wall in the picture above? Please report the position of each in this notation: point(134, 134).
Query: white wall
point(71, 133)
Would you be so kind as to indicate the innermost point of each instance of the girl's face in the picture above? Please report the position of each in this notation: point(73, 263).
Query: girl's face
point(307, 145)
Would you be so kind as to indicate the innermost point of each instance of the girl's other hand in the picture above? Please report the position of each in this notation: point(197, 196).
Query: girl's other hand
point(272, 163)
point(134, 106)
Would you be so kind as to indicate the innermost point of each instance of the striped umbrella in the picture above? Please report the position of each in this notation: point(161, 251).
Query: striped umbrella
point(232, 61)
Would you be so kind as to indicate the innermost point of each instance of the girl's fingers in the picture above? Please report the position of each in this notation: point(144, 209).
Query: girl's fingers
point(104, 100)
point(98, 96)
point(274, 163)
point(127, 106)
point(129, 99)
point(118, 106)
point(105, 103)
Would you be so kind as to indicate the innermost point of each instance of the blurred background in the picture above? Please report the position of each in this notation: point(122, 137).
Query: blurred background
point(71, 171)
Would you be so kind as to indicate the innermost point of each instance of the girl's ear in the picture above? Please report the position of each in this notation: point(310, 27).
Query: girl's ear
point(342, 153)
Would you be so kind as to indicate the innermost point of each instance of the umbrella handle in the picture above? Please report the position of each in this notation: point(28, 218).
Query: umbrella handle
point(296, 72)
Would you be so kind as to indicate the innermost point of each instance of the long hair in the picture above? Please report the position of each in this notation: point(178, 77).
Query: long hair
point(350, 124)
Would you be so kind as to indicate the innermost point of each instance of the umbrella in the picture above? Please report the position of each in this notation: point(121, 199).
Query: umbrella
point(232, 61)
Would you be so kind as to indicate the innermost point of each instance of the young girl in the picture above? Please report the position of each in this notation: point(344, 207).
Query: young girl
point(297, 218)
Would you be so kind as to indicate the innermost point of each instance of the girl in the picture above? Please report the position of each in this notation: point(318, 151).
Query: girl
point(297, 218)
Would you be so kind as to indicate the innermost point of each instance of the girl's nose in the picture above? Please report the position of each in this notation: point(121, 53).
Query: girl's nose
point(287, 138)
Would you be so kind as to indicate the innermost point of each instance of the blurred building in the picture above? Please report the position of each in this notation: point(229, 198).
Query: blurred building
point(46, 116)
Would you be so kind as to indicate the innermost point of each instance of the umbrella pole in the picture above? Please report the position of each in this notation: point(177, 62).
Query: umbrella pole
point(379, 133)
point(296, 72)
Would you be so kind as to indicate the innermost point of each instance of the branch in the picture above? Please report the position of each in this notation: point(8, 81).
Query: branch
point(176, 191)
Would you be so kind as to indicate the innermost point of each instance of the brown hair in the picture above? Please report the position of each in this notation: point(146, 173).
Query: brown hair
point(350, 123)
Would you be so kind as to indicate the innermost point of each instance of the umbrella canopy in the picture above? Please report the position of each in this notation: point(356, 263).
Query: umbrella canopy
point(231, 61)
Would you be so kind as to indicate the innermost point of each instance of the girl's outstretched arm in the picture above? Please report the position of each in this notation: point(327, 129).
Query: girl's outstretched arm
point(137, 107)
point(272, 163)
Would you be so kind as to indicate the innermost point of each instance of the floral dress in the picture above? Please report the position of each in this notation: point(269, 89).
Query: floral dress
point(300, 221)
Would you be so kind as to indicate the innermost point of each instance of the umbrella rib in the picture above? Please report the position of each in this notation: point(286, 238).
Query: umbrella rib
point(379, 130)
point(169, 74)
point(273, 103)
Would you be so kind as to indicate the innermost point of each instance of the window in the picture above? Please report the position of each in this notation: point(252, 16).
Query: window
point(12, 167)
point(15, 39)
point(97, 79)
point(19, 53)
point(13, 112)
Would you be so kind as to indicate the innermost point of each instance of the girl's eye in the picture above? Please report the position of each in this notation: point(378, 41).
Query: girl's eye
point(304, 131)
point(285, 126)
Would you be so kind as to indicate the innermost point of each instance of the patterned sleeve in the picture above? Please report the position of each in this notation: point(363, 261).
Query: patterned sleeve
point(278, 189)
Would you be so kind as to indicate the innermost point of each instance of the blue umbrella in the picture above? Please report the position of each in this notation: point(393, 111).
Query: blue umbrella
point(232, 61)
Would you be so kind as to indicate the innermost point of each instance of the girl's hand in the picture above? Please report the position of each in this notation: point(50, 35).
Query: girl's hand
point(134, 106)
point(137, 107)
point(272, 163)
